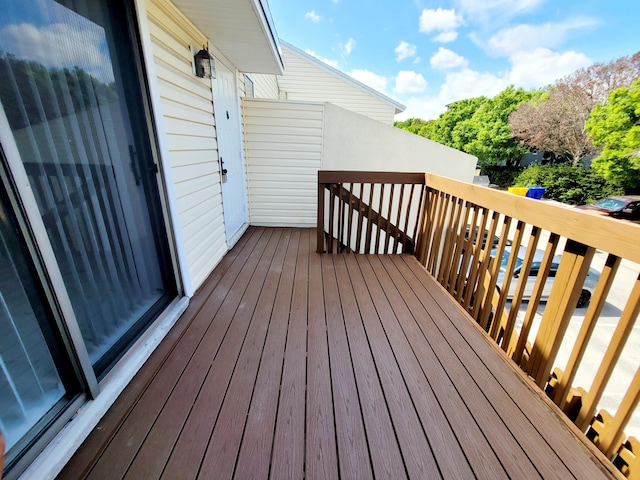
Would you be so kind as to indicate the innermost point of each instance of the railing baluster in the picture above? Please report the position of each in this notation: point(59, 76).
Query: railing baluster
point(611, 356)
point(572, 272)
point(483, 283)
point(598, 301)
point(609, 442)
point(446, 263)
point(489, 303)
point(330, 241)
point(380, 207)
point(388, 229)
point(350, 221)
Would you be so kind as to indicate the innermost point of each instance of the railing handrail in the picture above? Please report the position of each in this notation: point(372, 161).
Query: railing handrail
point(595, 230)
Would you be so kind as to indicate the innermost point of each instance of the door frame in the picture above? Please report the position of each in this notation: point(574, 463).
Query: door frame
point(239, 146)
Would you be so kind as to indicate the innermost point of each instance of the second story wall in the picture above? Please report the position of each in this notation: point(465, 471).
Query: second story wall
point(308, 79)
point(187, 112)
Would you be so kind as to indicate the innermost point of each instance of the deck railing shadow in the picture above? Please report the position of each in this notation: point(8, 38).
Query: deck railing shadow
point(438, 220)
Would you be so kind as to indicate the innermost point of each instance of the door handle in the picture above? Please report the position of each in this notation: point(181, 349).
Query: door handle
point(222, 169)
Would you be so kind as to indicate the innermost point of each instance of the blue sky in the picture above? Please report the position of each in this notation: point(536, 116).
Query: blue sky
point(426, 54)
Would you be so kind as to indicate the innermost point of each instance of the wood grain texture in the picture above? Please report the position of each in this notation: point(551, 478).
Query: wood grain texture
point(290, 364)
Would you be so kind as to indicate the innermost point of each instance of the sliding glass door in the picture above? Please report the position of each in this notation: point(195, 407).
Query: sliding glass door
point(72, 97)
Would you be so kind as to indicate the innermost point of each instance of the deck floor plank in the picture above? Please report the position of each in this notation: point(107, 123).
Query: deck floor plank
point(220, 458)
point(321, 451)
point(288, 452)
point(290, 364)
point(255, 452)
point(552, 430)
point(381, 437)
point(221, 349)
point(438, 447)
point(353, 451)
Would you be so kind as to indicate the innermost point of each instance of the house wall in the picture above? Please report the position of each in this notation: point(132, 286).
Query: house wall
point(355, 142)
point(283, 153)
point(187, 110)
point(287, 142)
point(265, 86)
point(308, 82)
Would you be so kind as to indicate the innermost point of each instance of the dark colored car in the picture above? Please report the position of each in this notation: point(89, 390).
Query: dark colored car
point(626, 206)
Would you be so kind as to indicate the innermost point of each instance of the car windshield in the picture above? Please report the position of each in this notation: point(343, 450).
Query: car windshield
point(505, 261)
point(610, 204)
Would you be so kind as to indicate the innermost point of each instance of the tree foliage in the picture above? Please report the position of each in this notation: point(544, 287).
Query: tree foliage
point(556, 121)
point(412, 125)
point(478, 126)
point(615, 126)
point(568, 183)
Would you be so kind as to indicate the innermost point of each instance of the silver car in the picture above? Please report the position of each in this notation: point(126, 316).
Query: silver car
point(585, 294)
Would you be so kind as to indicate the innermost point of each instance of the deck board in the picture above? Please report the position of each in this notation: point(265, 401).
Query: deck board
point(290, 364)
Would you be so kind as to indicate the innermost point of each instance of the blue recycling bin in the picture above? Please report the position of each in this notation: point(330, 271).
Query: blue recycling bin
point(535, 192)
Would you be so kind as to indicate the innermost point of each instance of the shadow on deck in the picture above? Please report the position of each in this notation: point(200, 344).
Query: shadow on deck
point(290, 364)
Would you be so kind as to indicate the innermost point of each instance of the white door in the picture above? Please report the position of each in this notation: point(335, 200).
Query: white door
point(227, 117)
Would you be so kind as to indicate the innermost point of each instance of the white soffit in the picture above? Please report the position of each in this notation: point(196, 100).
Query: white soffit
point(242, 30)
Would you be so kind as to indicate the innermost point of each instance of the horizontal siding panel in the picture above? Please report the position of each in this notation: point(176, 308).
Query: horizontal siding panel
point(189, 172)
point(305, 81)
point(174, 94)
point(256, 121)
point(187, 108)
point(283, 158)
point(178, 126)
point(192, 157)
point(181, 111)
point(275, 138)
point(190, 83)
point(187, 142)
point(195, 185)
point(200, 197)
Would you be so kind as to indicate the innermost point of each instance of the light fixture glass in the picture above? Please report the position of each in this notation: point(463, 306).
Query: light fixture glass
point(205, 68)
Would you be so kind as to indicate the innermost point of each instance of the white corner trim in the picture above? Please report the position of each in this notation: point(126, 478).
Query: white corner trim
point(60, 450)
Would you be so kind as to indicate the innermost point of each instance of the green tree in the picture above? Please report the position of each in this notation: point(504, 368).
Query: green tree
point(615, 127)
point(412, 125)
point(487, 135)
point(568, 183)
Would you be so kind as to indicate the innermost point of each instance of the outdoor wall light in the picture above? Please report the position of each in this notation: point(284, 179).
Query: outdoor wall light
point(205, 68)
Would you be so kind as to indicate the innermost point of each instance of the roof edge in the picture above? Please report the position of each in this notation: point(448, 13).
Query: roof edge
point(348, 78)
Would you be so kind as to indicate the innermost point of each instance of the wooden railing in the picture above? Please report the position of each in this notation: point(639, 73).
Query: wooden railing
point(472, 239)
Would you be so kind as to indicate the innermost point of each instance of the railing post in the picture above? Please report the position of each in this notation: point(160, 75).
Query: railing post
point(320, 224)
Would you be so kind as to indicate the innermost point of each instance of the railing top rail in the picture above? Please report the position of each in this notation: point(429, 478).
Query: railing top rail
point(620, 238)
point(346, 176)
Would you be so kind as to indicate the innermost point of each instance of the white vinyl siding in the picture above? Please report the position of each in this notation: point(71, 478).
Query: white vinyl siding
point(187, 110)
point(265, 86)
point(283, 153)
point(305, 81)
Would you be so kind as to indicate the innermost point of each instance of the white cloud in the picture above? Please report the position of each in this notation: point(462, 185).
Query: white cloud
point(410, 82)
point(60, 45)
point(496, 12)
point(528, 37)
point(459, 85)
point(313, 16)
point(542, 66)
point(468, 83)
point(373, 80)
point(446, 37)
point(440, 20)
point(348, 47)
point(405, 50)
point(445, 59)
point(333, 63)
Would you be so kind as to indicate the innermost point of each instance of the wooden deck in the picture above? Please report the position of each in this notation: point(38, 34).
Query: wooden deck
point(289, 364)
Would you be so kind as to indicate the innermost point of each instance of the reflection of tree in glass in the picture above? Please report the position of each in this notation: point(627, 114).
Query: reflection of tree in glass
point(32, 93)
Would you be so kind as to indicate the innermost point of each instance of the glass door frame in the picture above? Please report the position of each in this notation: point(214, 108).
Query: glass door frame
point(23, 202)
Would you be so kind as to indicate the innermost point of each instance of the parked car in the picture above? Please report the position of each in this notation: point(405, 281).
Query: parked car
point(494, 244)
point(626, 206)
point(587, 288)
